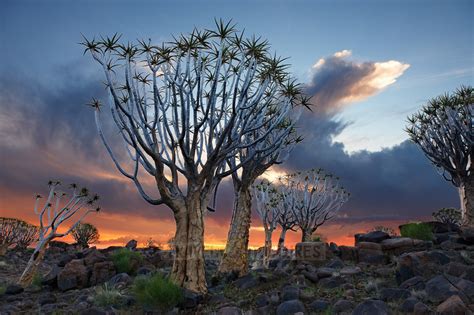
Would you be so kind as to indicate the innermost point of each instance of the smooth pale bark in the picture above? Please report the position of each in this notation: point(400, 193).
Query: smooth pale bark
point(281, 241)
point(189, 265)
point(466, 196)
point(236, 250)
point(32, 266)
point(306, 235)
point(267, 250)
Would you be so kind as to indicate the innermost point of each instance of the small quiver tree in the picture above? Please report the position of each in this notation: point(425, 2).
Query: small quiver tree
point(268, 202)
point(448, 216)
point(57, 209)
point(286, 220)
point(314, 197)
point(85, 234)
point(15, 232)
point(444, 130)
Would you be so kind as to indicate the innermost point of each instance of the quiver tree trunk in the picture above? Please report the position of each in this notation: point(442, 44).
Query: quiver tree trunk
point(189, 265)
point(235, 258)
point(3, 249)
point(281, 241)
point(306, 235)
point(267, 250)
point(32, 266)
point(466, 196)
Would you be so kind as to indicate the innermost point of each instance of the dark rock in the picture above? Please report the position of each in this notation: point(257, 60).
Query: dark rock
point(93, 256)
point(290, 293)
point(343, 306)
point(102, 272)
point(350, 271)
point(465, 287)
point(13, 289)
point(325, 272)
point(47, 298)
point(191, 299)
point(421, 309)
point(467, 234)
point(439, 289)
point(332, 282)
point(93, 311)
point(371, 307)
point(229, 310)
point(120, 280)
point(452, 305)
point(335, 263)
point(373, 237)
point(132, 244)
point(416, 283)
point(370, 253)
point(65, 258)
point(246, 282)
point(51, 277)
point(393, 294)
point(408, 305)
point(290, 307)
point(440, 227)
point(262, 300)
point(319, 305)
point(145, 270)
point(348, 253)
point(423, 263)
point(456, 269)
point(74, 275)
point(439, 238)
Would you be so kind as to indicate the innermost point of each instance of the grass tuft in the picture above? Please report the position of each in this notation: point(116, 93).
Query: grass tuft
point(421, 231)
point(156, 292)
point(126, 260)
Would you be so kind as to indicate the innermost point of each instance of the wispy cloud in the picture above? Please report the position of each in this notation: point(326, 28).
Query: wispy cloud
point(337, 81)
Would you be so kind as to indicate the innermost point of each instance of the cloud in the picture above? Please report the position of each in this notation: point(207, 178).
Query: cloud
point(337, 81)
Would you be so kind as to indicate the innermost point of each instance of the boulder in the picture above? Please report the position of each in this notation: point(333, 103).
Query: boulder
point(350, 271)
point(348, 253)
point(452, 305)
point(102, 272)
point(325, 272)
point(393, 294)
point(416, 283)
point(190, 299)
point(423, 263)
point(92, 256)
point(373, 237)
point(335, 263)
point(331, 282)
point(421, 309)
point(398, 245)
point(440, 227)
point(229, 310)
point(120, 280)
point(246, 282)
point(343, 306)
point(13, 289)
point(74, 275)
point(371, 307)
point(51, 277)
point(319, 306)
point(408, 305)
point(439, 289)
point(467, 234)
point(290, 307)
point(290, 293)
point(370, 253)
point(310, 251)
point(132, 244)
point(47, 298)
point(262, 300)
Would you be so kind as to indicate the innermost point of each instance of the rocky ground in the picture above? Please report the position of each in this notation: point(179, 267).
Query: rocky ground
point(380, 275)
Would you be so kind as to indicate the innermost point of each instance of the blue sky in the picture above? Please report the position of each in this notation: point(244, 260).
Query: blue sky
point(434, 37)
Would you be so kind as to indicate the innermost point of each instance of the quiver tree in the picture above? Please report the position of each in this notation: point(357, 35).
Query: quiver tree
point(451, 216)
point(444, 130)
point(182, 109)
point(268, 209)
point(57, 209)
point(314, 197)
point(85, 234)
point(286, 220)
point(15, 232)
point(255, 160)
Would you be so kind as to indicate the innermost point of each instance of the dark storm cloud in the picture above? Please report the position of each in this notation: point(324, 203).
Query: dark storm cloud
point(395, 183)
point(337, 81)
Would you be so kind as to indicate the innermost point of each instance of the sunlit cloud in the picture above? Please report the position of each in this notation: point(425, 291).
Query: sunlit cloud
point(337, 81)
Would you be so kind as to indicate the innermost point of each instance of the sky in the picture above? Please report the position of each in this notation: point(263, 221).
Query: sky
point(367, 64)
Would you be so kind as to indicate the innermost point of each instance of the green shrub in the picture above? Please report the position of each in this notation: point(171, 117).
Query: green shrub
point(421, 231)
point(108, 296)
point(2, 289)
point(318, 238)
point(126, 260)
point(37, 280)
point(156, 292)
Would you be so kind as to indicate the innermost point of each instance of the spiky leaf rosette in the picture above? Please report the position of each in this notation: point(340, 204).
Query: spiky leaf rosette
point(444, 130)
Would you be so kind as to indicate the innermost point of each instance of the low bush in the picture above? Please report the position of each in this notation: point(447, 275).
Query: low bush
point(126, 260)
point(2, 289)
point(448, 216)
point(156, 292)
point(108, 296)
point(421, 231)
point(318, 238)
point(37, 280)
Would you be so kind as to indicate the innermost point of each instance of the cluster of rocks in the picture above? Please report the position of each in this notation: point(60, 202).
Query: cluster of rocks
point(381, 274)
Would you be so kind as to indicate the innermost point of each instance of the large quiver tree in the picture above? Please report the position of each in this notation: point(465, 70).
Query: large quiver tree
point(444, 130)
point(183, 108)
point(314, 197)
